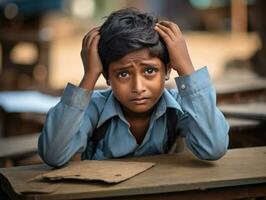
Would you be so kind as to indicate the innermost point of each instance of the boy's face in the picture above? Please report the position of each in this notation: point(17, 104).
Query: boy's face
point(137, 81)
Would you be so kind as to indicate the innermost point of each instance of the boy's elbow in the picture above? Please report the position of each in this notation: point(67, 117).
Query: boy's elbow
point(211, 155)
point(217, 147)
point(215, 151)
point(50, 157)
point(212, 151)
point(54, 163)
point(216, 154)
point(52, 160)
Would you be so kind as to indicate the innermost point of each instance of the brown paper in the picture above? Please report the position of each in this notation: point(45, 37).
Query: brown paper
point(107, 171)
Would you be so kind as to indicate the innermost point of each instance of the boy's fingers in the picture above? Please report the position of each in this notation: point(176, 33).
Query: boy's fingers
point(163, 34)
point(91, 37)
point(93, 30)
point(86, 37)
point(167, 31)
point(172, 25)
point(93, 45)
point(84, 41)
point(97, 28)
point(94, 42)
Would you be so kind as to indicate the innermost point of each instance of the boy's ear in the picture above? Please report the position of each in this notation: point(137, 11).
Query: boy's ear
point(108, 82)
point(168, 71)
point(106, 78)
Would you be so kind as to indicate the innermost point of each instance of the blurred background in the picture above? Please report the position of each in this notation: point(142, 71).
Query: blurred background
point(40, 43)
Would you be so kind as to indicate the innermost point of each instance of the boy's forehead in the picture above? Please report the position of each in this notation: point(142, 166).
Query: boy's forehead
point(142, 55)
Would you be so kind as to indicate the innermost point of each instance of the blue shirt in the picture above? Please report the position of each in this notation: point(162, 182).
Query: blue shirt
point(70, 124)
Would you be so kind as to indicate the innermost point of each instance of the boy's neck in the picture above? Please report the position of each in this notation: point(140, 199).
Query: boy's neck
point(139, 123)
point(132, 116)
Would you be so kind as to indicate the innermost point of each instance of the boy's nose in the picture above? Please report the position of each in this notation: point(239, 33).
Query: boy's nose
point(138, 85)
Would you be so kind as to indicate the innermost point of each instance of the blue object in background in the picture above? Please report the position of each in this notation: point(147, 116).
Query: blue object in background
point(31, 8)
point(27, 101)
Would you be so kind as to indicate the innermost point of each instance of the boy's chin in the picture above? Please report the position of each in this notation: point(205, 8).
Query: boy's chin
point(140, 109)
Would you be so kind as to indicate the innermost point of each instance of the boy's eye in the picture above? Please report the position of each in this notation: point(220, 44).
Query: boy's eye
point(123, 74)
point(150, 70)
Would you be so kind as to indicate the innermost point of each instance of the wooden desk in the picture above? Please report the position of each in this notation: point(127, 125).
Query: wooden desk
point(239, 174)
point(239, 90)
point(255, 111)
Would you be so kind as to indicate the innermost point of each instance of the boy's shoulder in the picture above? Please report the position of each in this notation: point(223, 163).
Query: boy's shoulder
point(172, 92)
point(104, 103)
point(99, 97)
point(101, 94)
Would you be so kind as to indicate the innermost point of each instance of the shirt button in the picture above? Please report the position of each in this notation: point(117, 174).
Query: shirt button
point(183, 86)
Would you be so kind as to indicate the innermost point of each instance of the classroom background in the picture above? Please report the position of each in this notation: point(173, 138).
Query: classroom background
point(40, 43)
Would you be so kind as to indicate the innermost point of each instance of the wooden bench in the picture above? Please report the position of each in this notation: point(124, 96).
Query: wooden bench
point(255, 110)
point(23, 112)
point(17, 147)
point(241, 173)
point(246, 133)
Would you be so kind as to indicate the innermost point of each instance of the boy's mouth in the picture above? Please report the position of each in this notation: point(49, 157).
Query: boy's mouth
point(139, 101)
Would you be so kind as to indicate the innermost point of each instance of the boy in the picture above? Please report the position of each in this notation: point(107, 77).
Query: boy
point(135, 54)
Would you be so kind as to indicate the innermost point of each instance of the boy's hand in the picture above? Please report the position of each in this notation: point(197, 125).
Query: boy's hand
point(176, 46)
point(91, 60)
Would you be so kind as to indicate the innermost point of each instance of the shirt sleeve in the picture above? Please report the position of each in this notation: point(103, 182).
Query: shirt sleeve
point(65, 131)
point(205, 128)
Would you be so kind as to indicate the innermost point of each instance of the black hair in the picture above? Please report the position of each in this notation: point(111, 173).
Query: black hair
point(128, 30)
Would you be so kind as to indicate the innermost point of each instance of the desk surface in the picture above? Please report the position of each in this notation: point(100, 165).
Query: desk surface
point(248, 111)
point(172, 173)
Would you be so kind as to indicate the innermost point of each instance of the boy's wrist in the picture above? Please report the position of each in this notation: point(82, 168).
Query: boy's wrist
point(92, 74)
point(184, 69)
point(88, 81)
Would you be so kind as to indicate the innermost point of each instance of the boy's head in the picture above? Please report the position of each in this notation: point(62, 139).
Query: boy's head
point(128, 30)
point(134, 59)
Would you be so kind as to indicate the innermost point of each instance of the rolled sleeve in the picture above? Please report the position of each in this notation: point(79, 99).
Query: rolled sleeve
point(76, 97)
point(188, 85)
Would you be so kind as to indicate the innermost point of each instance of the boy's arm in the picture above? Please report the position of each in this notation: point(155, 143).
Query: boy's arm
point(203, 125)
point(68, 124)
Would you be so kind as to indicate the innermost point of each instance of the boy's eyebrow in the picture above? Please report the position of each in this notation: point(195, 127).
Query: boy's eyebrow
point(126, 66)
point(119, 68)
point(148, 62)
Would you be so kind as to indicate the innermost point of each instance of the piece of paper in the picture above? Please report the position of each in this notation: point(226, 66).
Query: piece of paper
point(103, 170)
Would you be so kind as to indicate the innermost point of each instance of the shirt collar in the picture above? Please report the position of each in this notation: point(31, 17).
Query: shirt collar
point(166, 101)
point(112, 107)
